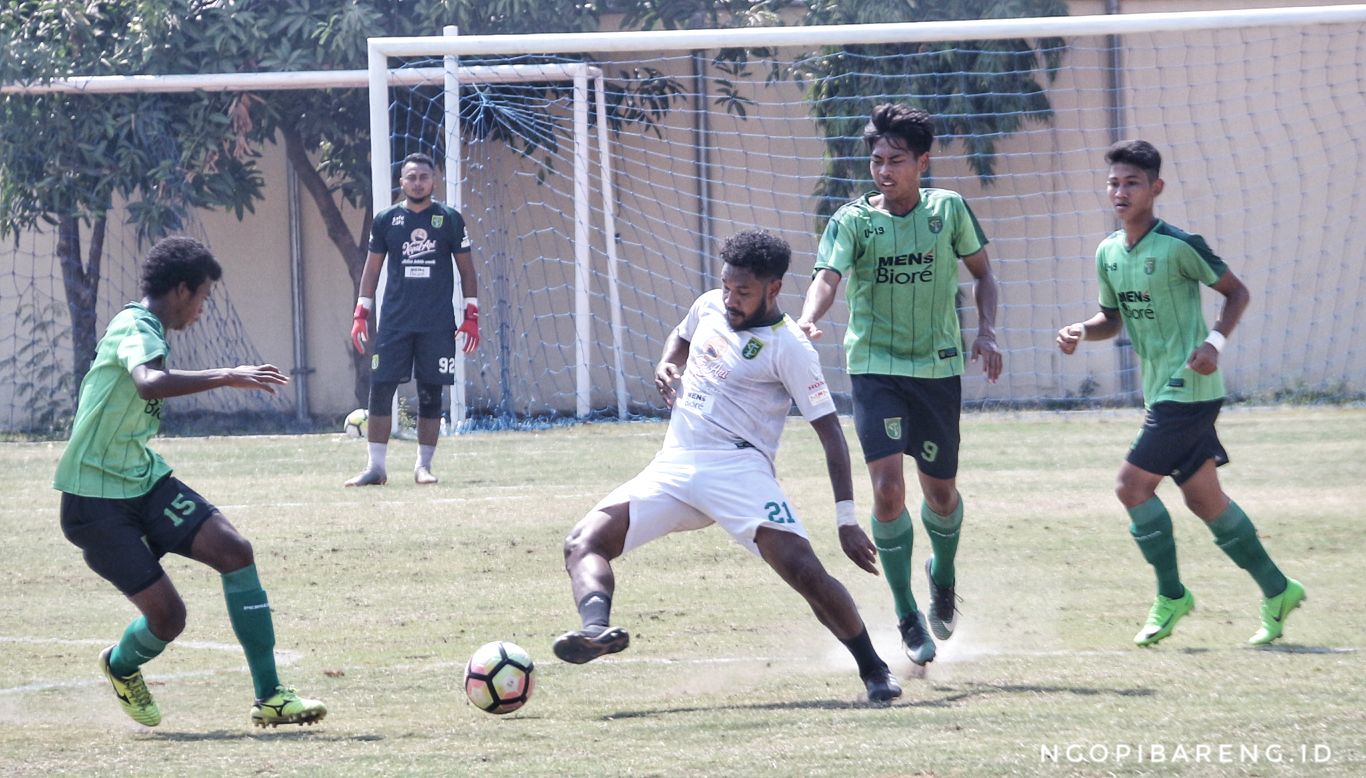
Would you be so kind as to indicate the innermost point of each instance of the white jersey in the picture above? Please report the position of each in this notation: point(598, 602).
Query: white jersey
point(737, 387)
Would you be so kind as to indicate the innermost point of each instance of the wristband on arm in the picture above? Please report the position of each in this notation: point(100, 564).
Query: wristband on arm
point(844, 514)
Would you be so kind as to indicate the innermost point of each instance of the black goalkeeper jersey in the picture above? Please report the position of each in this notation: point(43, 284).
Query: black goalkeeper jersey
point(420, 284)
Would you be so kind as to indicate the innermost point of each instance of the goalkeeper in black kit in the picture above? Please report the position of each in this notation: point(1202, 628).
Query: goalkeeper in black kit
point(418, 332)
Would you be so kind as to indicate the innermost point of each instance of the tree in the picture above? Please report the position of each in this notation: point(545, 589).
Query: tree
point(65, 159)
point(979, 91)
point(326, 134)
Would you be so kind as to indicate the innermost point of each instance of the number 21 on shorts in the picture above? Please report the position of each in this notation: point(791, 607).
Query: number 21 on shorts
point(779, 513)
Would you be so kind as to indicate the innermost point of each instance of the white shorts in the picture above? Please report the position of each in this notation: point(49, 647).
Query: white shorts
point(683, 490)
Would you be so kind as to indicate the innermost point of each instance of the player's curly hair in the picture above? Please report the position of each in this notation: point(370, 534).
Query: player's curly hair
point(762, 253)
point(176, 260)
point(1139, 153)
point(904, 126)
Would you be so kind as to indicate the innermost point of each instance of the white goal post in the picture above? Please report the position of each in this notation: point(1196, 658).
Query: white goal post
point(452, 76)
point(1049, 384)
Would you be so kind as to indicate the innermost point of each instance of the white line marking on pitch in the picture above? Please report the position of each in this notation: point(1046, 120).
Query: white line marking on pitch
point(282, 655)
point(283, 658)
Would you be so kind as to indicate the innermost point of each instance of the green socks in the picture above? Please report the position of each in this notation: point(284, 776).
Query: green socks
point(1234, 533)
point(893, 540)
point(137, 646)
point(249, 612)
point(1152, 530)
point(943, 532)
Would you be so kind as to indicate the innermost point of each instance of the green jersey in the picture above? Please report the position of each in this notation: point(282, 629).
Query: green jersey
point(902, 274)
point(1156, 287)
point(107, 455)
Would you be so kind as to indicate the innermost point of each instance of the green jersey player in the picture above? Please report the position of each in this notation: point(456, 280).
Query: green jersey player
point(1150, 278)
point(899, 249)
point(124, 509)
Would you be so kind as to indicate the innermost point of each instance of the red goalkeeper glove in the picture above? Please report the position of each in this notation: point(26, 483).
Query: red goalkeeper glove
point(358, 324)
point(471, 324)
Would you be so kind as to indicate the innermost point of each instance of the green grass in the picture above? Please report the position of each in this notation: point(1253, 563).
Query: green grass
point(381, 594)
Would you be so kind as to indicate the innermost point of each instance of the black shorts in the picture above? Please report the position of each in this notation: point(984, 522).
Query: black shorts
point(400, 355)
point(913, 416)
point(1177, 439)
point(124, 540)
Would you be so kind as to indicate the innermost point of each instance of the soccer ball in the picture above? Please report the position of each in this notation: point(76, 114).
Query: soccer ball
point(356, 423)
point(498, 677)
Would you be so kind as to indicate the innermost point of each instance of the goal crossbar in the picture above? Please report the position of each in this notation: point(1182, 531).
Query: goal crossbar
point(298, 79)
point(899, 32)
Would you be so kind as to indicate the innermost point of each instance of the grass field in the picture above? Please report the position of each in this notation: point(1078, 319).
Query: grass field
point(380, 595)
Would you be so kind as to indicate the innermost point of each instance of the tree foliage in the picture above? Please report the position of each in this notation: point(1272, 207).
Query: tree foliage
point(66, 158)
point(978, 91)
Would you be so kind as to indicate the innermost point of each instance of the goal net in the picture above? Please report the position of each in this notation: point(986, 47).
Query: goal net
point(1260, 116)
point(38, 394)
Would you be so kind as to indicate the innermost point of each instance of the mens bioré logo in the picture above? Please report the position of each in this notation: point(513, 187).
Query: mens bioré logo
point(752, 348)
point(1149, 265)
point(893, 427)
point(936, 224)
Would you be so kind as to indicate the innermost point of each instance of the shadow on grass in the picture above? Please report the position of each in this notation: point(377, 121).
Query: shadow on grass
point(228, 735)
point(953, 697)
point(1294, 648)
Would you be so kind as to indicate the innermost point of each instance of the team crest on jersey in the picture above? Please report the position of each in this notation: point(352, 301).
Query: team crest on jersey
point(752, 348)
point(936, 224)
point(374, 362)
point(1149, 265)
point(893, 427)
point(437, 221)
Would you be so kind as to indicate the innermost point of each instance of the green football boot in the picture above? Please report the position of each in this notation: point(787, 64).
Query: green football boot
point(1275, 610)
point(286, 707)
point(132, 692)
point(1163, 617)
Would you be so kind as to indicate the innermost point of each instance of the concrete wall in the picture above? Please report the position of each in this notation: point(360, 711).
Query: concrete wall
point(1264, 157)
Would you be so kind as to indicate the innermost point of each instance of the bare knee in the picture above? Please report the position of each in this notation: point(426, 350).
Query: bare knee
point(234, 553)
point(167, 619)
point(1207, 507)
point(889, 495)
point(941, 496)
point(808, 576)
point(792, 559)
point(1133, 487)
point(589, 538)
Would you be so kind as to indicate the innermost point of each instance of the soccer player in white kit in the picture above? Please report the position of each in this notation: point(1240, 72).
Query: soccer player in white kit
point(738, 363)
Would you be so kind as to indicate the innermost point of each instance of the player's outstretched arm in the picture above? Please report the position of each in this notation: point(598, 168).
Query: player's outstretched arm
point(155, 382)
point(1103, 325)
point(670, 367)
point(985, 295)
point(853, 539)
point(819, 297)
point(1205, 358)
